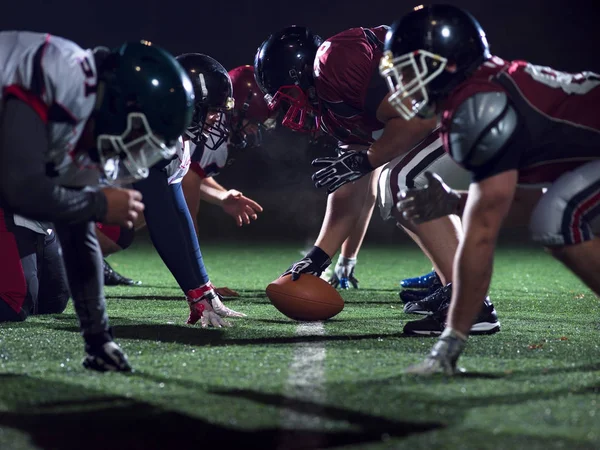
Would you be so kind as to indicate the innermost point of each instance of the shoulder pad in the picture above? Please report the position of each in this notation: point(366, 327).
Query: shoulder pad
point(480, 128)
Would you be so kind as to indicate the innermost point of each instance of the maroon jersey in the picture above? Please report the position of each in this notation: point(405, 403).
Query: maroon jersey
point(348, 83)
point(558, 114)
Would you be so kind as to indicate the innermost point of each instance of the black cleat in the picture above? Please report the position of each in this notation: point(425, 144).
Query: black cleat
point(431, 303)
point(113, 278)
point(486, 323)
point(414, 295)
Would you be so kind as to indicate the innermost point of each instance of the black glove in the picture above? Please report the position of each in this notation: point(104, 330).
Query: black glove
point(314, 263)
point(103, 354)
point(338, 171)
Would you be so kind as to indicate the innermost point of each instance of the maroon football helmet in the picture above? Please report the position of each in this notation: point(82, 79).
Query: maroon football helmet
point(251, 114)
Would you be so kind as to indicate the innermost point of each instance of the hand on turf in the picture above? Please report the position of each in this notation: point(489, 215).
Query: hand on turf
point(209, 309)
point(343, 278)
point(442, 358)
point(338, 171)
point(123, 206)
point(240, 207)
point(431, 202)
point(314, 263)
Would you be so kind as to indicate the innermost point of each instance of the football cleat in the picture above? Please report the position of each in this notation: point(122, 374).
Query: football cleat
point(113, 278)
point(107, 357)
point(433, 325)
point(431, 303)
point(414, 295)
point(422, 282)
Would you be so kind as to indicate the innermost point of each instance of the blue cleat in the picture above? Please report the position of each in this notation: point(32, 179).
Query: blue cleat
point(423, 282)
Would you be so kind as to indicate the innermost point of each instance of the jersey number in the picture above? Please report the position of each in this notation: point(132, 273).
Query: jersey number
point(570, 83)
point(90, 88)
point(320, 52)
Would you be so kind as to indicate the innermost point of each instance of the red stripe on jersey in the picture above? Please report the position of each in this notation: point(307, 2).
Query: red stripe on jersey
point(13, 287)
point(113, 232)
point(32, 100)
point(196, 167)
point(579, 212)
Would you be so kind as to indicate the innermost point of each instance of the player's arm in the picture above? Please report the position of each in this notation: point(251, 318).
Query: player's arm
point(24, 185)
point(211, 191)
point(487, 205)
point(398, 137)
point(484, 137)
point(233, 202)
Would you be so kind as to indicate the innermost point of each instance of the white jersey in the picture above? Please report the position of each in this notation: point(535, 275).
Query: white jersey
point(207, 163)
point(211, 162)
point(177, 168)
point(58, 80)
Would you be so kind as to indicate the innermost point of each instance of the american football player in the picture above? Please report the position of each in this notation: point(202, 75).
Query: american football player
point(507, 122)
point(335, 85)
point(166, 213)
point(249, 120)
point(33, 279)
point(68, 115)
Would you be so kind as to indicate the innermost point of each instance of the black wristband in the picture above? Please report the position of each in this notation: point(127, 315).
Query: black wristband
point(319, 257)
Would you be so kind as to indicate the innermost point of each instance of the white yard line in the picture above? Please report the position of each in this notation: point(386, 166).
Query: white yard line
point(306, 382)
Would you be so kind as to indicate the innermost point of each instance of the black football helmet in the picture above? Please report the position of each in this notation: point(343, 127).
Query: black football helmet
point(214, 94)
point(283, 67)
point(427, 53)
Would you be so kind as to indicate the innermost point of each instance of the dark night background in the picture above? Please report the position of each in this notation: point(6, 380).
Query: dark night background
point(561, 34)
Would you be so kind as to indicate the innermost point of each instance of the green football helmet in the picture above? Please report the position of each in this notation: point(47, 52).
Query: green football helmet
point(145, 102)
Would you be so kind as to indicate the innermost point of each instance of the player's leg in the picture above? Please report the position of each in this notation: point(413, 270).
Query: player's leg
point(174, 237)
point(83, 263)
point(191, 191)
point(113, 239)
point(53, 283)
point(18, 270)
point(437, 239)
point(566, 221)
point(344, 270)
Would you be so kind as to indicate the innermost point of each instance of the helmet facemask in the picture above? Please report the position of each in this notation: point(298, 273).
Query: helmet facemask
point(302, 115)
point(407, 77)
point(127, 158)
point(210, 135)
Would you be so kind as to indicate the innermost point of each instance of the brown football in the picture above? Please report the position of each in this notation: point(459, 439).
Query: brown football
point(308, 299)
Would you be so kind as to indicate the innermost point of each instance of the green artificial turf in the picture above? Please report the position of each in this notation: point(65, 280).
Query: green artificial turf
point(533, 385)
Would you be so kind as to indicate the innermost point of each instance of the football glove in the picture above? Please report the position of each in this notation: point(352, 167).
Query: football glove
point(431, 202)
point(206, 306)
point(443, 356)
point(343, 274)
point(314, 263)
point(338, 171)
point(104, 355)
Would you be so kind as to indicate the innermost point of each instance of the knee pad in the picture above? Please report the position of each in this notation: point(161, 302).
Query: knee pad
point(121, 236)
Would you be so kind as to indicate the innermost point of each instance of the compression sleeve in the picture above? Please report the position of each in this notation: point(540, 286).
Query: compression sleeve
point(24, 185)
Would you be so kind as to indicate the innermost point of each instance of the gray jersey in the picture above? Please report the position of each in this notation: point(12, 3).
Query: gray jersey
point(58, 80)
